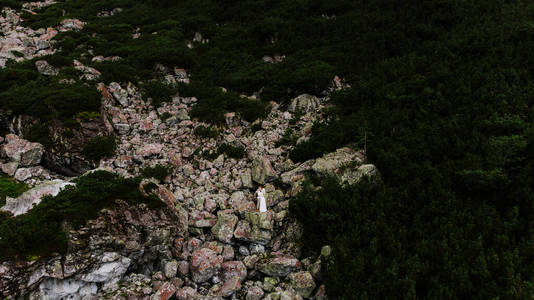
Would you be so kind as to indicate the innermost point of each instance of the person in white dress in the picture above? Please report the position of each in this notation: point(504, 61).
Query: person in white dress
point(260, 194)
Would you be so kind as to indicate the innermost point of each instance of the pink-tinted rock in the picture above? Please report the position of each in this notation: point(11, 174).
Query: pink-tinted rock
point(22, 151)
point(186, 293)
point(204, 264)
point(234, 268)
point(150, 149)
point(9, 168)
point(230, 286)
point(254, 293)
point(302, 283)
point(228, 253)
point(165, 292)
point(183, 267)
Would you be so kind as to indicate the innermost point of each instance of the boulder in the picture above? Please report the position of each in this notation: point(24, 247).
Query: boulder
point(330, 164)
point(44, 68)
point(9, 168)
point(254, 234)
point(254, 293)
point(224, 228)
point(186, 293)
point(352, 176)
point(230, 286)
point(22, 151)
point(52, 288)
point(170, 268)
point(260, 220)
point(28, 199)
point(304, 103)
point(165, 292)
point(262, 170)
point(234, 268)
point(150, 149)
point(279, 266)
point(204, 264)
point(120, 94)
point(302, 283)
point(112, 268)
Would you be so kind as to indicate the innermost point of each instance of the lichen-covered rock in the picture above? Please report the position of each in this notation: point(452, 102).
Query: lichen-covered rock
point(279, 266)
point(252, 234)
point(234, 268)
point(262, 170)
point(303, 103)
point(352, 176)
point(230, 286)
point(204, 264)
point(224, 228)
point(44, 68)
point(254, 293)
point(260, 220)
point(302, 283)
point(170, 268)
point(166, 291)
point(330, 163)
point(186, 293)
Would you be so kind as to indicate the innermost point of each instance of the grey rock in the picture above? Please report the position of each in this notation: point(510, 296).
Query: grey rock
point(44, 68)
point(304, 103)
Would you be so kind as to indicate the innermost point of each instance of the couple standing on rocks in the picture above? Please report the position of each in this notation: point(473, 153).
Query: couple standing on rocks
point(261, 205)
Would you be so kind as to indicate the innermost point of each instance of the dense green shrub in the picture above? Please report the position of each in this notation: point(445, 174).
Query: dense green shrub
point(288, 139)
point(206, 132)
point(159, 92)
point(100, 147)
point(11, 3)
point(231, 151)
point(40, 231)
point(10, 187)
point(39, 133)
point(160, 172)
point(46, 99)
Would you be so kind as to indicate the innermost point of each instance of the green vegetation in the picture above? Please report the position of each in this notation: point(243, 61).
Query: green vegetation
point(159, 92)
point(160, 172)
point(26, 92)
point(11, 3)
point(288, 139)
point(100, 147)
point(39, 133)
point(441, 96)
point(164, 116)
point(40, 231)
point(236, 152)
point(206, 132)
point(10, 187)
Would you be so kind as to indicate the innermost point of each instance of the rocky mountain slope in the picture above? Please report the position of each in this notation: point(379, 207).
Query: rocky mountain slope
point(208, 241)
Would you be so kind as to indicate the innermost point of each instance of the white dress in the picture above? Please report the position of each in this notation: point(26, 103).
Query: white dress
point(261, 201)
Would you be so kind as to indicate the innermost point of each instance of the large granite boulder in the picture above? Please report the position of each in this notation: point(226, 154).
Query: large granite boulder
point(24, 152)
point(262, 170)
point(204, 264)
point(302, 283)
point(224, 228)
point(279, 266)
point(330, 164)
point(304, 103)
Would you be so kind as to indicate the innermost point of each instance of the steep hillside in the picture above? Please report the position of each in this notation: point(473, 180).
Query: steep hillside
point(198, 102)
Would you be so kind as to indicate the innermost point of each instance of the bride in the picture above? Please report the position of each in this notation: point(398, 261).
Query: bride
point(260, 194)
